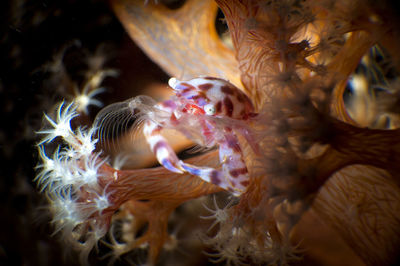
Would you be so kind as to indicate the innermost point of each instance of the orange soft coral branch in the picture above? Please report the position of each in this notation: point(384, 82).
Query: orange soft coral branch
point(344, 63)
point(156, 214)
point(379, 148)
point(161, 184)
point(169, 37)
point(261, 33)
point(151, 195)
point(350, 145)
point(248, 21)
point(363, 204)
point(240, 16)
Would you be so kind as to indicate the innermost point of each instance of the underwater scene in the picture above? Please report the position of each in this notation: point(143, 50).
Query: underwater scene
point(200, 132)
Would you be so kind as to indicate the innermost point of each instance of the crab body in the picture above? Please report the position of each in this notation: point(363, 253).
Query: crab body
point(208, 105)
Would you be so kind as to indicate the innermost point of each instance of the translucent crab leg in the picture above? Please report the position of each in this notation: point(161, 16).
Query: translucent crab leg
point(211, 175)
point(233, 176)
point(158, 144)
point(234, 166)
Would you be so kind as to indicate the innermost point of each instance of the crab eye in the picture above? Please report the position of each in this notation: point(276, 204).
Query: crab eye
point(172, 82)
point(209, 109)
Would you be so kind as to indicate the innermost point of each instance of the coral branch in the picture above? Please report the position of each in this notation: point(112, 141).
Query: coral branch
point(344, 63)
point(363, 204)
point(161, 184)
point(169, 37)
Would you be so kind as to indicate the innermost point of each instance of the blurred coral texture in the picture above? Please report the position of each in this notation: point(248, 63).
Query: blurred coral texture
point(323, 76)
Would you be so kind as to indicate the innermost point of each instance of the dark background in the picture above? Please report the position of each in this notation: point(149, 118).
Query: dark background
point(35, 36)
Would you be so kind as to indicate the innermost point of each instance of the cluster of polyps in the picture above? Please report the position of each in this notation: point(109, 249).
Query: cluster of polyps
point(72, 179)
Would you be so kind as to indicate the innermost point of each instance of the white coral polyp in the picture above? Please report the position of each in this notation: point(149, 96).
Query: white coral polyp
point(85, 99)
point(70, 177)
point(102, 203)
point(87, 142)
point(61, 125)
point(88, 173)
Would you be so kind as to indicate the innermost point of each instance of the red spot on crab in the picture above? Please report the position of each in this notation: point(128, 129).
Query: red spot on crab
point(236, 172)
point(245, 183)
point(184, 86)
point(218, 107)
point(206, 86)
point(193, 109)
point(212, 78)
point(228, 89)
point(228, 106)
point(214, 178)
point(233, 145)
point(242, 97)
point(156, 131)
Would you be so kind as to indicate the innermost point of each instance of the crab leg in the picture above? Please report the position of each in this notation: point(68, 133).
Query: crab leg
point(166, 156)
point(233, 166)
point(233, 176)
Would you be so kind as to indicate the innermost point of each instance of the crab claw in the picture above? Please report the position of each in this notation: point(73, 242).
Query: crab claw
point(171, 167)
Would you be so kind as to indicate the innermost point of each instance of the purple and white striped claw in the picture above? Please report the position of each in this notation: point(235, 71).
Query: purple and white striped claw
point(212, 176)
point(160, 147)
